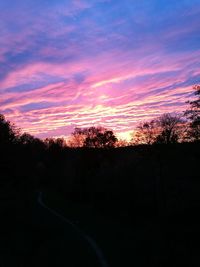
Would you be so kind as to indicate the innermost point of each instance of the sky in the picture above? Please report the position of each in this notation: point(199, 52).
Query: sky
point(82, 63)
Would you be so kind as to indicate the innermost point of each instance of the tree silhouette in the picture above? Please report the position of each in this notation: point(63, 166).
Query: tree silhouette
point(77, 138)
point(8, 131)
point(193, 114)
point(94, 137)
point(170, 128)
point(32, 143)
point(165, 129)
point(26, 139)
point(55, 143)
point(145, 133)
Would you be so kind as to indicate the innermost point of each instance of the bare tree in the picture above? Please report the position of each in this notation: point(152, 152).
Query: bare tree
point(165, 129)
point(145, 133)
point(77, 138)
point(170, 128)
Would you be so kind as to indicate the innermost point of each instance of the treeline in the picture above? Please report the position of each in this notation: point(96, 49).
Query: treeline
point(151, 177)
point(172, 128)
point(166, 129)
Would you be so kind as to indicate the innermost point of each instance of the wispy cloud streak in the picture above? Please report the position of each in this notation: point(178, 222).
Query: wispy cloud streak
point(81, 63)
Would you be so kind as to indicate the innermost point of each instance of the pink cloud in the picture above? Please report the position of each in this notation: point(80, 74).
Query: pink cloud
point(118, 87)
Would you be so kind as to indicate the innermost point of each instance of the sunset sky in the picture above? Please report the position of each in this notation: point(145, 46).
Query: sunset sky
point(111, 63)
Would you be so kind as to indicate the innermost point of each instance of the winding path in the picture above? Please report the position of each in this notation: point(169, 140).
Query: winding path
point(91, 242)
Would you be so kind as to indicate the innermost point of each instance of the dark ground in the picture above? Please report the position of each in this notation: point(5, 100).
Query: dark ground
point(37, 238)
point(141, 206)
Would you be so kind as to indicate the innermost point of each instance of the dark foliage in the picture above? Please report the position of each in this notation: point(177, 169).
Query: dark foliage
point(193, 114)
point(94, 137)
point(8, 132)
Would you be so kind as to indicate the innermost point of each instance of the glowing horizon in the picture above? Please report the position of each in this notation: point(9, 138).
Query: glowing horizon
point(81, 63)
